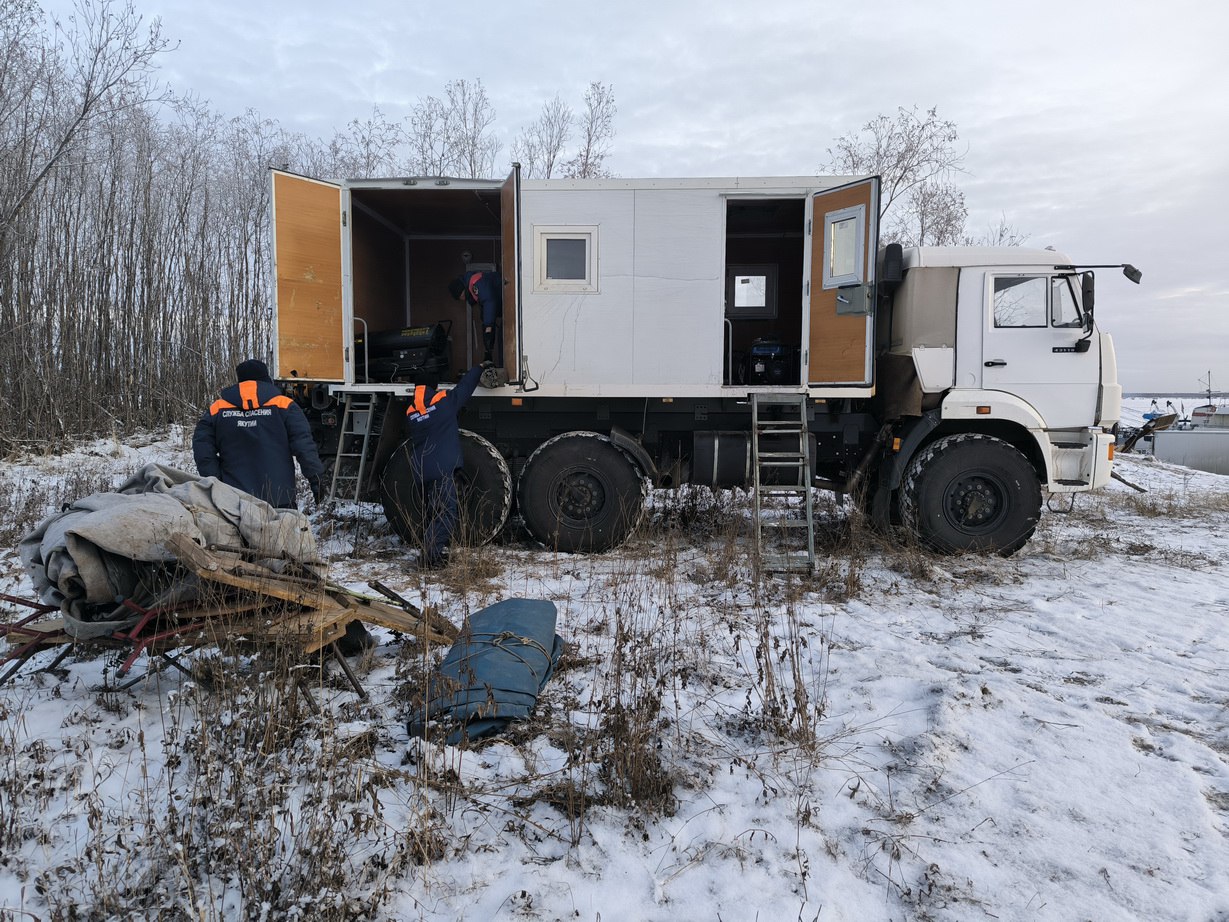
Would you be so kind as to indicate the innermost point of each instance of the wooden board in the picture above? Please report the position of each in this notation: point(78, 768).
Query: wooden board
point(48, 632)
point(425, 626)
point(311, 629)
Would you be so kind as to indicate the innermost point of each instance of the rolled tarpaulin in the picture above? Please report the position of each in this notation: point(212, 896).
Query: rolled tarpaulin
point(494, 671)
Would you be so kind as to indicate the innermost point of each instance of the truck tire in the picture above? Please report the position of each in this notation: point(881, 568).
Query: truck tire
point(971, 492)
point(579, 492)
point(484, 492)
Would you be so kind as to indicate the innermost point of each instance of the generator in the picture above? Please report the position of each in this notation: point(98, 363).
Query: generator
point(772, 362)
point(408, 354)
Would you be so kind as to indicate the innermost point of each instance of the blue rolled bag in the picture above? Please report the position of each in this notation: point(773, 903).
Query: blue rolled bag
point(493, 673)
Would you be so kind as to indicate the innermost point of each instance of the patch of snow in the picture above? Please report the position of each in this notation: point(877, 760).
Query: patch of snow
point(1039, 737)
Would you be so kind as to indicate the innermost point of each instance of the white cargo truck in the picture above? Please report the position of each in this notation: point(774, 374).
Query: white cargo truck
point(724, 332)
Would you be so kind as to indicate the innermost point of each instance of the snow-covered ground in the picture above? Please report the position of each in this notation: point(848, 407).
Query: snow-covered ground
point(902, 737)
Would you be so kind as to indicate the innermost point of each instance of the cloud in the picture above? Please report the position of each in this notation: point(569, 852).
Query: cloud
point(1097, 126)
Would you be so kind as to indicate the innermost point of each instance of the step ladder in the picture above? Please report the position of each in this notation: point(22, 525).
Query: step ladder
point(361, 422)
point(781, 462)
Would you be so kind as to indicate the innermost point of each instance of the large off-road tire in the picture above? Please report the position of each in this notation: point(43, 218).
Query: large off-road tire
point(971, 492)
point(579, 492)
point(484, 491)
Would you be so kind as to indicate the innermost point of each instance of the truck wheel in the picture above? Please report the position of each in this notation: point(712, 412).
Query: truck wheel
point(971, 493)
point(579, 492)
point(484, 491)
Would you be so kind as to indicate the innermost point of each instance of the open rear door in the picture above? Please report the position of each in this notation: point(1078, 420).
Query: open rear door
point(844, 230)
point(307, 263)
point(510, 234)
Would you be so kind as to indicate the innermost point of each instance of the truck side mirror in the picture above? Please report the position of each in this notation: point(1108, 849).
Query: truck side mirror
point(1088, 295)
point(891, 270)
point(891, 267)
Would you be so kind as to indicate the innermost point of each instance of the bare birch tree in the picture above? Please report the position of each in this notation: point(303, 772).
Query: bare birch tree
point(104, 71)
point(916, 156)
point(368, 147)
point(429, 142)
point(1000, 234)
point(595, 134)
point(469, 118)
point(539, 147)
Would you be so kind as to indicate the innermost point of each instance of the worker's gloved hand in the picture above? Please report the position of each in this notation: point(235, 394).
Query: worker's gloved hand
point(487, 363)
point(317, 487)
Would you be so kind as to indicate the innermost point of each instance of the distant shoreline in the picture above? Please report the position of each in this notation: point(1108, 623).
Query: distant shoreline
point(1171, 394)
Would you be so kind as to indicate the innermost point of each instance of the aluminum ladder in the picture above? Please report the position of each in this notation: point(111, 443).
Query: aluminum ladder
point(781, 462)
point(362, 420)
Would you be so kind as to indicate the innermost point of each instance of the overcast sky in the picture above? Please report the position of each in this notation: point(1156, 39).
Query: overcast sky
point(1100, 128)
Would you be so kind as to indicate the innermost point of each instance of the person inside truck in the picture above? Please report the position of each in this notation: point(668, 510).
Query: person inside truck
point(485, 289)
point(435, 456)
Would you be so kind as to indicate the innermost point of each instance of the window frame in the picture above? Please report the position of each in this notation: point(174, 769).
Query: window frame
point(829, 280)
point(542, 235)
point(1049, 281)
point(1041, 277)
point(768, 311)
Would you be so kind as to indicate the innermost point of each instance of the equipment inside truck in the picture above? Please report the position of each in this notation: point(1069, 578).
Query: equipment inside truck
point(764, 248)
point(407, 243)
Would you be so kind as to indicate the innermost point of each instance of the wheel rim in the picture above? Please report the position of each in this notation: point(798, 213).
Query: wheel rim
point(578, 495)
point(975, 502)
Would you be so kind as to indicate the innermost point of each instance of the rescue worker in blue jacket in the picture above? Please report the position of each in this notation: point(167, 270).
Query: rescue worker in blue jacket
point(431, 423)
point(251, 435)
point(485, 289)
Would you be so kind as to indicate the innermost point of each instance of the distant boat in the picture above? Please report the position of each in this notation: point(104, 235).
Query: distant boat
point(1210, 415)
point(1200, 441)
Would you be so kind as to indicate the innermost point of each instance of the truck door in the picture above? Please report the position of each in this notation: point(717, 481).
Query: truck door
point(307, 263)
point(1032, 325)
point(510, 234)
point(844, 229)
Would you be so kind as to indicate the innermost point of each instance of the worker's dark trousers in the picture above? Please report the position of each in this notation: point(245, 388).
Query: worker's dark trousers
point(440, 500)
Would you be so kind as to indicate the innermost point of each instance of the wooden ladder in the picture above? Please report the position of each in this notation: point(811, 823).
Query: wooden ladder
point(781, 461)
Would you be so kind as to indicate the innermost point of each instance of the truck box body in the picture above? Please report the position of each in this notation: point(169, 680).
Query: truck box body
point(647, 316)
point(650, 315)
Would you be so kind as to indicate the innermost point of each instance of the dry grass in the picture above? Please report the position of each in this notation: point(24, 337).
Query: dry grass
point(253, 801)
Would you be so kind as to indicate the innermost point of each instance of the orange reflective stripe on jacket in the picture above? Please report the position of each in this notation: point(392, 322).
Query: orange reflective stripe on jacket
point(248, 396)
point(419, 406)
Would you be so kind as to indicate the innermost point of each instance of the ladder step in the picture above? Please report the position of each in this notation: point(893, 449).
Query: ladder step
point(780, 564)
point(778, 398)
point(778, 522)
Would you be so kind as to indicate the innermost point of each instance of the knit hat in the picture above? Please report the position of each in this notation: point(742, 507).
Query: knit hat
point(252, 370)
